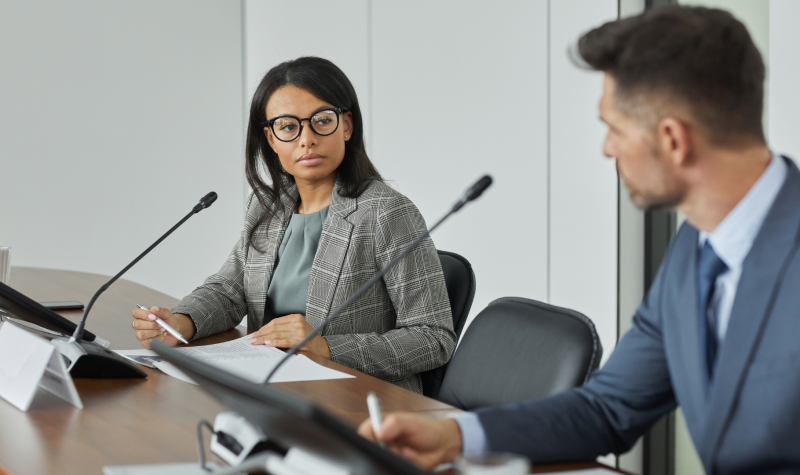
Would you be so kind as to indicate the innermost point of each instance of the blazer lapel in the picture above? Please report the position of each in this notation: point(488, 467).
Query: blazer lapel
point(761, 276)
point(328, 262)
point(683, 302)
point(260, 265)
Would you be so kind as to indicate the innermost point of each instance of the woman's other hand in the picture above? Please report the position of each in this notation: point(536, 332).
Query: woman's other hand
point(144, 322)
point(285, 332)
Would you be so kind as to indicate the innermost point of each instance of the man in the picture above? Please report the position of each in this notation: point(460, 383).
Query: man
point(719, 331)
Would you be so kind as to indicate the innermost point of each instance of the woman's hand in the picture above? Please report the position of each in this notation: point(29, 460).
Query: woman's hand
point(422, 440)
point(144, 322)
point(285, 332)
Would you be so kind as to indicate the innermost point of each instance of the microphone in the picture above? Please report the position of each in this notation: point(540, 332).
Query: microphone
point(471, 194)
point(204, 203)
point(90, 361)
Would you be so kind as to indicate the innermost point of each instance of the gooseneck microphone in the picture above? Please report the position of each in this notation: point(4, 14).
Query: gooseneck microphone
point(471, 194)
point(90, 361)
point(204, 203)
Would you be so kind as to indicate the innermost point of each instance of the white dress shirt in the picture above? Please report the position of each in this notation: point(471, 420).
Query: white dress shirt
point(734, 236)
point(731, 240)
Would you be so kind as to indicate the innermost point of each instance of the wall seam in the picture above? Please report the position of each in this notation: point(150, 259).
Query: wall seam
point(619, 233)
point(549, 118)
point(370, 108)
point(243, 12)
point(619, 252)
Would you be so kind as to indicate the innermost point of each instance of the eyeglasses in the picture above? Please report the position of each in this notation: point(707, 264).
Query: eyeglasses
point(288, 127)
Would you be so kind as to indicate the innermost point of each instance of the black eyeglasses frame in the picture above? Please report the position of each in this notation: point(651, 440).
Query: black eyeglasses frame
point(271, 123)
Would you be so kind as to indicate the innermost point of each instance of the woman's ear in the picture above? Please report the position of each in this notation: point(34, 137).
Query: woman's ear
point(347, 122)
point(270, 137)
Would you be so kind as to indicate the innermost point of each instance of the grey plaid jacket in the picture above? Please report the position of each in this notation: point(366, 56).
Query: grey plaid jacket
point(397, 329)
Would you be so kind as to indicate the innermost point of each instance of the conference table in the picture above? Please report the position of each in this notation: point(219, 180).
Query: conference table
point(152, 420)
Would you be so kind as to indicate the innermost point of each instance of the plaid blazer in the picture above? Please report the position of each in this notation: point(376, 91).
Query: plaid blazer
point(397, 329)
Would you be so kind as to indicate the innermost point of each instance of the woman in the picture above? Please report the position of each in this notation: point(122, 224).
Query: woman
point(324, 226)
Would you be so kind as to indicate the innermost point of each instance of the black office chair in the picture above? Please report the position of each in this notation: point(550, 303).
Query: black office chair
point(460, 281)
point(518, 349)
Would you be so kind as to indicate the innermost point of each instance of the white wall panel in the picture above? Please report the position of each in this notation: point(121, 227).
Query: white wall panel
point(276, 31)
point(583, 185)
point(630, 281)
point(460, 89)
point(755, 16)
point(784, 61)
point(115, 118)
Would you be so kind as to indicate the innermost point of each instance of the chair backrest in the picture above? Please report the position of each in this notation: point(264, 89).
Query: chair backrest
point(518, 349)
point(460, 281)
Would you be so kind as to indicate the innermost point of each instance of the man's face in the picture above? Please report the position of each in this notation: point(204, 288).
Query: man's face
point(644, 168)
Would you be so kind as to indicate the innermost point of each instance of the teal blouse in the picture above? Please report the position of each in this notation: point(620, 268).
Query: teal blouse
point(288, 288)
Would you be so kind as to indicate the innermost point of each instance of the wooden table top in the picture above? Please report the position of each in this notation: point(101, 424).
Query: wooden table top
point(151, 420)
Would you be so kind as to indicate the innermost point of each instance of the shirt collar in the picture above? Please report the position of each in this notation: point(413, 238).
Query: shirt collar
point(734, 236)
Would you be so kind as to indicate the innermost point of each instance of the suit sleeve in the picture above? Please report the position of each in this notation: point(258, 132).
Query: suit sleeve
point(608, 414)
point(423, 337)
point(219, 304)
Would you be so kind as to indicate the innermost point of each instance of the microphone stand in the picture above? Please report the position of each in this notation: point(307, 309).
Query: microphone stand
point(471, 194)
point(87, 360)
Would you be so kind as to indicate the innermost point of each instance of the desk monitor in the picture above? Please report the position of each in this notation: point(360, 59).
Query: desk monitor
point(26, 309)
point(289, 420)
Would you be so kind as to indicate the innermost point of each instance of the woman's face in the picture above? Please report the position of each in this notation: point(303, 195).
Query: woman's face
point(310, 157)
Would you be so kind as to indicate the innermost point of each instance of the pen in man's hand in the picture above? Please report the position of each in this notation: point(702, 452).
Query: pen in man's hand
point(166, 326)
point(375, 415)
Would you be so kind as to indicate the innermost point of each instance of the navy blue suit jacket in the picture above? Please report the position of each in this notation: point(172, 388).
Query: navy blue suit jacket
point(746, 421)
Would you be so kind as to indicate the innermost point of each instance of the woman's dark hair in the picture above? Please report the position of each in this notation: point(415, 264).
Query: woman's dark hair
point(326, 81)
point(702, 59)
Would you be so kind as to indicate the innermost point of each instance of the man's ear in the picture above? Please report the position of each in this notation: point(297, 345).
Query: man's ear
point(673, 140)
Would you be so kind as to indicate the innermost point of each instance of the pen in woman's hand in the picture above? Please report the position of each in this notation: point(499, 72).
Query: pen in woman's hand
point(166, 326)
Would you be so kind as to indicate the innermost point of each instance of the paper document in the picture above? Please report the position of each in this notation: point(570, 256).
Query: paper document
point(143, 357)
point(237, 349)
point(250, 362)
point(587, 471)
point(171, 370)
point(160, 469)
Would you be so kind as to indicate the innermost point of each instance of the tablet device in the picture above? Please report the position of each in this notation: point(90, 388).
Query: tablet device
point(289, 420)
point(21, 307)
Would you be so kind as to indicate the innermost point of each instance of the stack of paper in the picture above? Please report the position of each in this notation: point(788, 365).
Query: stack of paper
point(239, 357)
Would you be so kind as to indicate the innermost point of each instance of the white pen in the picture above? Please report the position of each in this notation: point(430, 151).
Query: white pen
point(165, 326)
point(375, 414)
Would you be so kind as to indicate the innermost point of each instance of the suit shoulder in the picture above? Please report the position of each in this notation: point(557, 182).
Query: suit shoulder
point(379, 195)
point(381, 204)
point(255, 211)
point(254, 208)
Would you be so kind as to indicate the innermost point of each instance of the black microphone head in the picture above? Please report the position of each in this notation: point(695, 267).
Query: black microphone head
point(207, 200)
point(478, 188)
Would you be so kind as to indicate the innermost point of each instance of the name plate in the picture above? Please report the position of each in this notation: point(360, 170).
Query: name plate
point(28, 362)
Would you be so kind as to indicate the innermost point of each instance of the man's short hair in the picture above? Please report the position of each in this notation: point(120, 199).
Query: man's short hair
point(695, 59)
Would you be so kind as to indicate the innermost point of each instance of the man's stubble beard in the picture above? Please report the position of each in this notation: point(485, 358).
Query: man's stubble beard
point(655, 202)
point(670, 195)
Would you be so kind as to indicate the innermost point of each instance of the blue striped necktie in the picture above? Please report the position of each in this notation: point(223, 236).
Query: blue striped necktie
point(709, 267)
